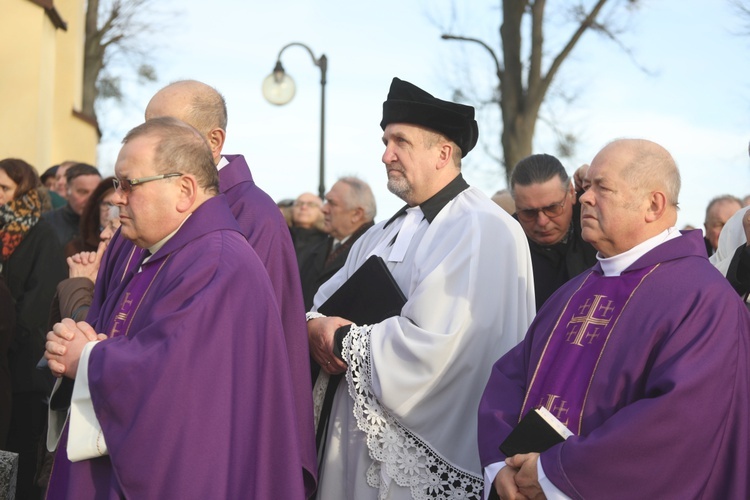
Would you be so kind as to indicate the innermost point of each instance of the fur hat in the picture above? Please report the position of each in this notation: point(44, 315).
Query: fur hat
point(407, 103)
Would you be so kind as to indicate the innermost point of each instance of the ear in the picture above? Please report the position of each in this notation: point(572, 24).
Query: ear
point(657, 206)
point(572, 193)
point(445, 155)
point(358, 214)
point(216, 138)
point(188, 193)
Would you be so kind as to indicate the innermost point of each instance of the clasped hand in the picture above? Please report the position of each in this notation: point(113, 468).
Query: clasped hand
point(518, 479)
point(64, 346)
point(320, 332)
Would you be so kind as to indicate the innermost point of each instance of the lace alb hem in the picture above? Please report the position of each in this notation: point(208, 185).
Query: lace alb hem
point(402, 455)
point(319, 395)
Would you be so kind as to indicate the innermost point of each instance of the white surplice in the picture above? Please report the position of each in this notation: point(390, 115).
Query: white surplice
point(404, 425)
point(732, 237)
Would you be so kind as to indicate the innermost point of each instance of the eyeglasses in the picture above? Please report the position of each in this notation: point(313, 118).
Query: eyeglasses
point(127, 184)
point(551, 211)
point(309, 204)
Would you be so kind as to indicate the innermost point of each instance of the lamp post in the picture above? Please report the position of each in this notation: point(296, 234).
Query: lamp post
point(278, 88)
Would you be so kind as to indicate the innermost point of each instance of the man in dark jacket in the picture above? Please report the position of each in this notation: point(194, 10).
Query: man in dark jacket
point(82, 180)
point(349, 210)
point(547, 208)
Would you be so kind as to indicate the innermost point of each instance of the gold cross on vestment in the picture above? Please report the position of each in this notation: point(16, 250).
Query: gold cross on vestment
point(581, 323)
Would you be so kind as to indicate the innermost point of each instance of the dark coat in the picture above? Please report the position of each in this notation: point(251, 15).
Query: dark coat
point(305, 239)
point(7, 331)
point(32, 273)
point(65, 222)
point(554, 265)
point(317, 268)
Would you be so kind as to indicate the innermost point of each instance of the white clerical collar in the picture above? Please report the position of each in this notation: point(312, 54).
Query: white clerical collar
point(155, 248)
point(614, 266)
point(222, 163)
point(337, 243)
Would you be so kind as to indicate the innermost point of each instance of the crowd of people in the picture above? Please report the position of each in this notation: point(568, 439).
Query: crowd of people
point(162, 332)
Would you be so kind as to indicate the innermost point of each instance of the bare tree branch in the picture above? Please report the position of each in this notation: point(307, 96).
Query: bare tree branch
point(522, 83)
point(116, 32)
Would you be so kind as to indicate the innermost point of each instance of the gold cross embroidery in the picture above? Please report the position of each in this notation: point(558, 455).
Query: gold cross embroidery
point(579, 324)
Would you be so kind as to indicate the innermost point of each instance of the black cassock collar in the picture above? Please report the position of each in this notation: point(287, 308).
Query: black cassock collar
point(434, 205)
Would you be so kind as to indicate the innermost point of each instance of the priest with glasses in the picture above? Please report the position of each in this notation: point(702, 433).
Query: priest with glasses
point(549, 213)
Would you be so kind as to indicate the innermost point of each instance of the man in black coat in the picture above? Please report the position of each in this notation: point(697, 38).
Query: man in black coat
point(547, 209)
point(349, 211)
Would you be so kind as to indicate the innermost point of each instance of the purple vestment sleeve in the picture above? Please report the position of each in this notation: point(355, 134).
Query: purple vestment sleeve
point(196, 401)
point(266, 230)
point(666, 414)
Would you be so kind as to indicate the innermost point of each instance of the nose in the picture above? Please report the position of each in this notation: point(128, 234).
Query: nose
point(388, 156)
point(118, 197)
point(587, 197)
point(541, 218)
point(325, 208)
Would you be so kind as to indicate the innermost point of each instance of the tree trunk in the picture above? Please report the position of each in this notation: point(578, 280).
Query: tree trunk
point(518, 114)
point(93, 59)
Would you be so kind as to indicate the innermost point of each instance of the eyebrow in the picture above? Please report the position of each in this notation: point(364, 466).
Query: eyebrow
point(397, 135)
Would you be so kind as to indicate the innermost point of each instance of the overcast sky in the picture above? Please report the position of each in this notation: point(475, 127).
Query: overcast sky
point(686, 86)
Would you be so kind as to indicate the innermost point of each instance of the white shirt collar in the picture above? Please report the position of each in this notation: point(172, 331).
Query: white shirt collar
point(342, 240)
point(614, 266)
point(222, 163)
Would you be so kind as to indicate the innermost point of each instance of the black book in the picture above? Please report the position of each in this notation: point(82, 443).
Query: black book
point(369, 296)
point(537, 431)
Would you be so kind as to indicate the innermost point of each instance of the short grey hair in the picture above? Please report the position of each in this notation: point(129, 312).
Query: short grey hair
point(181, 148)
point(725, 198)
point(360, 195)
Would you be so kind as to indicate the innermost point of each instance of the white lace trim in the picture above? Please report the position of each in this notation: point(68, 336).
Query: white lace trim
point(406, 458)
point(319, 395)
point(313, 315)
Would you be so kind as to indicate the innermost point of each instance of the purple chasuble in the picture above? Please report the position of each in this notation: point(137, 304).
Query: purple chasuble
point(563, 375)
point(196, 400)
point(665, 412)
point(264, 228)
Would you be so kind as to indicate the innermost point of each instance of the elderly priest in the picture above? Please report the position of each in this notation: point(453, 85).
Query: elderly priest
point(644, 357)
point(174, 399)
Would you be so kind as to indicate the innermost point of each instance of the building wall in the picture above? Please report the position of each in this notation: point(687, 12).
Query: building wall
point(40, 86)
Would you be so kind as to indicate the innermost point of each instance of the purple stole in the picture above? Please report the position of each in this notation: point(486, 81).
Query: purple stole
point(118, 325)
point(135, 291)
point(568, 362)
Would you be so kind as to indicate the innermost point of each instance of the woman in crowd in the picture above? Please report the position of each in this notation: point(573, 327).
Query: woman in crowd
point(32, 264)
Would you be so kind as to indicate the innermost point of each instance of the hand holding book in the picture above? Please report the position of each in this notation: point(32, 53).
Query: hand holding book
point(537, 431)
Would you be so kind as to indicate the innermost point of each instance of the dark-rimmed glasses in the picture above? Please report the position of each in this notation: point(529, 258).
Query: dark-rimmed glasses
point(127, 184)
point(551, 211)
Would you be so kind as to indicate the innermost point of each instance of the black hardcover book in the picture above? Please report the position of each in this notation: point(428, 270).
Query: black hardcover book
point(537, 431)
point(369, 296)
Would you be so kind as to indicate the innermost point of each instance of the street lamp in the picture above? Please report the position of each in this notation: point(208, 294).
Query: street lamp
point(278, 88)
